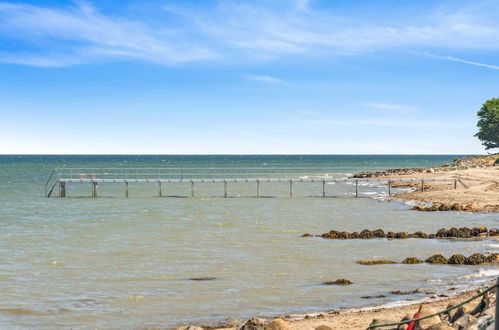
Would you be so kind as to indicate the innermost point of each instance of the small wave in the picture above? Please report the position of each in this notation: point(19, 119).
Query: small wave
point(482, 272)
point(369, 193)
point(495, 246)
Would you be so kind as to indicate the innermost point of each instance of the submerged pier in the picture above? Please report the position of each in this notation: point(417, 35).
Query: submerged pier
point(63, 177)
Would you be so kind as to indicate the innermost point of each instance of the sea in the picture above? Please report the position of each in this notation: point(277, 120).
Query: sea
point(113, 262)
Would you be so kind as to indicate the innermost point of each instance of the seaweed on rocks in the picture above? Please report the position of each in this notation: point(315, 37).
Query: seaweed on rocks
point(436, 259)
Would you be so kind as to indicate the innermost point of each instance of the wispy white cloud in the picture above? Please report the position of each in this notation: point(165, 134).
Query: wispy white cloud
point(267, 79)
point(392, 107)
point(80, 34)
point(234, 30)
point(460, 60)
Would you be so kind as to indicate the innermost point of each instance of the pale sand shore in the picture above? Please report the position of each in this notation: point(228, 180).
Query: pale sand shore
point(361, 318)
point(482, 191)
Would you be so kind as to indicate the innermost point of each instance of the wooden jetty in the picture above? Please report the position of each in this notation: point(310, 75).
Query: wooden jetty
point(62, 177)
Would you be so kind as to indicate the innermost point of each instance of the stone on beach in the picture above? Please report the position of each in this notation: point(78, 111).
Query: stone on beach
point(426, 323)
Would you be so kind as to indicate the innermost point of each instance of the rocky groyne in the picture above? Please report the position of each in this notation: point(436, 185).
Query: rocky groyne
point(463, 232)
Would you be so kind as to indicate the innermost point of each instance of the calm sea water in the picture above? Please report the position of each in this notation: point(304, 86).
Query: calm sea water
point(112, 262)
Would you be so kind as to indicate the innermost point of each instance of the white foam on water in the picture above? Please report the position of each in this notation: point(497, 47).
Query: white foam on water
point(483, 272)
point(369, 193)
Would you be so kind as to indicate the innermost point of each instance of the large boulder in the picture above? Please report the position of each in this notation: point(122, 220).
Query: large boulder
point(420, 234)
point(426, 323)
point(390, 234)
point(436, 259)
point(402, 234)
point(464, 321)
point(476, 231)
point(365, 234)
point(476, 259)
point(457, 259)
point(379, 233)
point(443, 232)
point(463, 310)
point(464, 232)
point(494, 232)
point(494, 257)
point(412, 260)
point(453, 232)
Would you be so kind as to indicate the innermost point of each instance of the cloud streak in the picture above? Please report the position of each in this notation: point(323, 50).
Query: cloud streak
point(233, 31)
point(460, 60)
point(392, 107)
point(267, 79)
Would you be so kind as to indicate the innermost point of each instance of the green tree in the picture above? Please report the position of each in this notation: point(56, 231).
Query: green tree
point(488, 124)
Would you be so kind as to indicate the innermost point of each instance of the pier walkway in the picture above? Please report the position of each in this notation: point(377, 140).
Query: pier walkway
point(61, 177)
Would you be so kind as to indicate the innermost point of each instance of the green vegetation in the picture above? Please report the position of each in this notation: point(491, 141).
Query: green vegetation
point(488, 124)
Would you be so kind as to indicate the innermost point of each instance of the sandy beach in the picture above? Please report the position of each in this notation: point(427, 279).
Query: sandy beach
point(477, 188)
point(361, 318)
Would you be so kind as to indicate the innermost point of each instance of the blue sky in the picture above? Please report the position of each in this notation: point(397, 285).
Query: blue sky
point(252, 77)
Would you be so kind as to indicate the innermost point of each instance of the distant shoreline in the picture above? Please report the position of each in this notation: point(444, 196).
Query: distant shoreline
point(476, 189)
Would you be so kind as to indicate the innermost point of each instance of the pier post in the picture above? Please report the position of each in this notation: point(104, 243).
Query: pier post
point(291, 188)
point(389, 188)
point(422, 185)
point(455, 183)
point(225, 188)
point(257, 188)
point(192, 188)
point(62, 189)
point(323, 188)
point(94, 189)
point(126, 189)
point(356, 188)
point(160, 192)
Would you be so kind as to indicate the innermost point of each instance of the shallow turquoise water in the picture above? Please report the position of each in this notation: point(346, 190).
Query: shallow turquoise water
point(113, 262)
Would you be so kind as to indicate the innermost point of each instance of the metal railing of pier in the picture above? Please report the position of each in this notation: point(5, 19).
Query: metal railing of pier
point(210, 174)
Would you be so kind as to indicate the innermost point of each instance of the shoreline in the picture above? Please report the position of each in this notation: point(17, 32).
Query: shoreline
point(357, 317)
point(476, 189)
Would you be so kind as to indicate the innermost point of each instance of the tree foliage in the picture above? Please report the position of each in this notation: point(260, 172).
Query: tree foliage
point(488, 124)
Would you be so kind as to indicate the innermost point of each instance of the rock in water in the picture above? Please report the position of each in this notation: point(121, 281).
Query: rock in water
point(457, 259)
point(476, 259)
point(420, 234)
point(375, 262)
point(436, 259)
point(378, 233)
point(478, 230)
point(493, 257)
point(411, 261)
point(341, 281)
